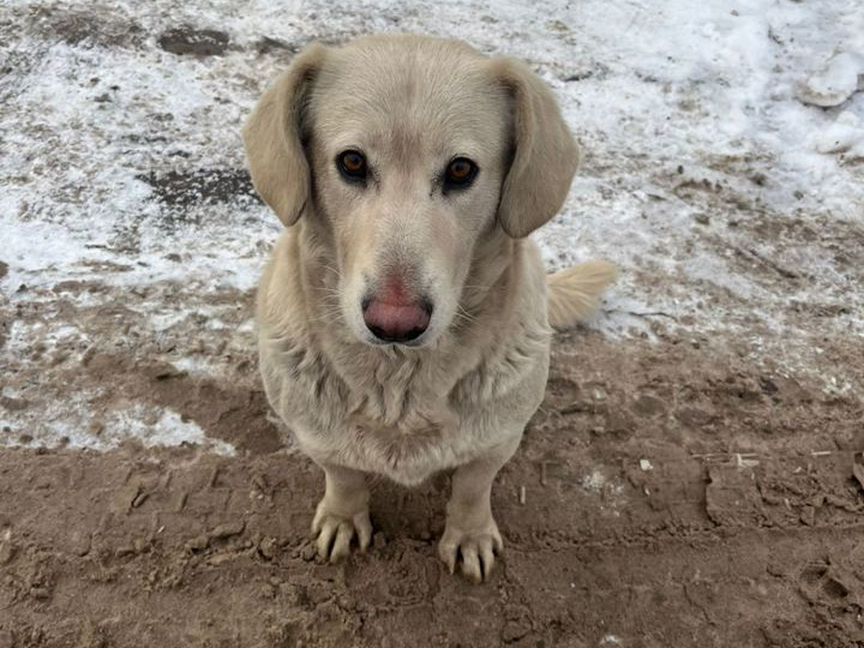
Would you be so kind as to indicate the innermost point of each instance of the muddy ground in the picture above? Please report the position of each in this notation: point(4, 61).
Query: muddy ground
point(665, 494)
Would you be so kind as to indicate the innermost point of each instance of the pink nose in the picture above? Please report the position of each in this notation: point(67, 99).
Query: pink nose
point(393, 316)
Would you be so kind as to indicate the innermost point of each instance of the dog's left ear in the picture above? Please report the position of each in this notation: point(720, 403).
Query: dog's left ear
point(545, 155)
point(273, 138)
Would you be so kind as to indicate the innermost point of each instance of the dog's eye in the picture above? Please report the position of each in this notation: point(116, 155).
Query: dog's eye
point(460, 173)
point(352, 165)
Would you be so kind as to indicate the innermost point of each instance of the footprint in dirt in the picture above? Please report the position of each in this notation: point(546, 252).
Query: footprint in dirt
point(821, 583)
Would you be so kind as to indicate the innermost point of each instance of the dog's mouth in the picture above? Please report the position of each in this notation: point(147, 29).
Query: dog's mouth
point(396, 322)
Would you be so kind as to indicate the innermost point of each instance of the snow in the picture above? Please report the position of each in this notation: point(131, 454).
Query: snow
point(149, 426)
point(835, 83)
point(690, 114)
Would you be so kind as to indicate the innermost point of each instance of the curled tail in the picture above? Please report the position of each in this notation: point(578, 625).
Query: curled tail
point(574, 293)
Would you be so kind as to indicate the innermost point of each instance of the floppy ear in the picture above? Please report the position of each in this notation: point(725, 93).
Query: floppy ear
point(545, 155)
point(273, 139)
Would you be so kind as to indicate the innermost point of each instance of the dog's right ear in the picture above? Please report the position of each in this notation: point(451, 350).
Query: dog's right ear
point(273, 139)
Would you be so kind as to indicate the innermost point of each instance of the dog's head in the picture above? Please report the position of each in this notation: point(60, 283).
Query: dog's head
point(410, 151)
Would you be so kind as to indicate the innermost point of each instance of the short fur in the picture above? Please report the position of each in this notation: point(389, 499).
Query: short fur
point(461, 398)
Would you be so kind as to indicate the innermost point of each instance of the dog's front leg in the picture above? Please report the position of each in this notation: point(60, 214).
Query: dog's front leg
point(471, 529)
point(342, 512)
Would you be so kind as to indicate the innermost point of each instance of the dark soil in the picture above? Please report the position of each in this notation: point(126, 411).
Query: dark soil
point(196, 42)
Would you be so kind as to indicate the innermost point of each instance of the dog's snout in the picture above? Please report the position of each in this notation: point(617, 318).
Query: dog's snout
point(393, 314)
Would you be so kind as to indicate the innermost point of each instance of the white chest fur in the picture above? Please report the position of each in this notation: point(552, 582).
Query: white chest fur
point(403, 415)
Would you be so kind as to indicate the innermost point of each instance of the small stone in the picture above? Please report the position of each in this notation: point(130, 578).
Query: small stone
point(702, 219)
point(267, 548)
point(308, 552)
point(379, 540)
point(7, 552)
point(198, 543)
point(645, 465)
point(228, 530)
point(220, 559)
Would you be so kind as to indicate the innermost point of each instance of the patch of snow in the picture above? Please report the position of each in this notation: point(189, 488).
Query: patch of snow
point(834, 83)
point(168, 430)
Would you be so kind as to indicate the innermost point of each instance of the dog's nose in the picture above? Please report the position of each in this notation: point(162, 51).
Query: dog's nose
point(393, 316)
point(391, 323)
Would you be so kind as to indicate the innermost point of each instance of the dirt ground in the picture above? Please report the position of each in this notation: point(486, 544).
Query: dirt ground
point(665, 494)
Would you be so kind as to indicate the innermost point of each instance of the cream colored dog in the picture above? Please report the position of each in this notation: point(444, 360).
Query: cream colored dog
point(404, 317)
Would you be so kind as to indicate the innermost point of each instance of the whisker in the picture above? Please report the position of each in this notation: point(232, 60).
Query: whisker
point(332, 269)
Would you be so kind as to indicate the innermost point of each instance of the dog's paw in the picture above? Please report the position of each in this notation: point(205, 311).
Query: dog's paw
point(334, 532)
point(477, 548)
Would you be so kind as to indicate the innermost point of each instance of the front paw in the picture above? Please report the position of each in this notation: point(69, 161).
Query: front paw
point(335, 530)
point(477, 545)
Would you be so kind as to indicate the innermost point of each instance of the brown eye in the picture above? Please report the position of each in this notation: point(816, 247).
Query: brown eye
point(352, 165)
point(460, 173)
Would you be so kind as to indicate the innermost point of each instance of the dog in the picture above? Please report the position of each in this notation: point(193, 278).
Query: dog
point(405, 317)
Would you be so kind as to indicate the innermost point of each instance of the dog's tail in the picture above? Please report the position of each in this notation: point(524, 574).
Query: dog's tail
point(574, 293)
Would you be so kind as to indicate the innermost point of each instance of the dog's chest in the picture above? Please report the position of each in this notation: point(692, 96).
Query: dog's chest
point(399, 424)
point(404, 419)
point(393, 420)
